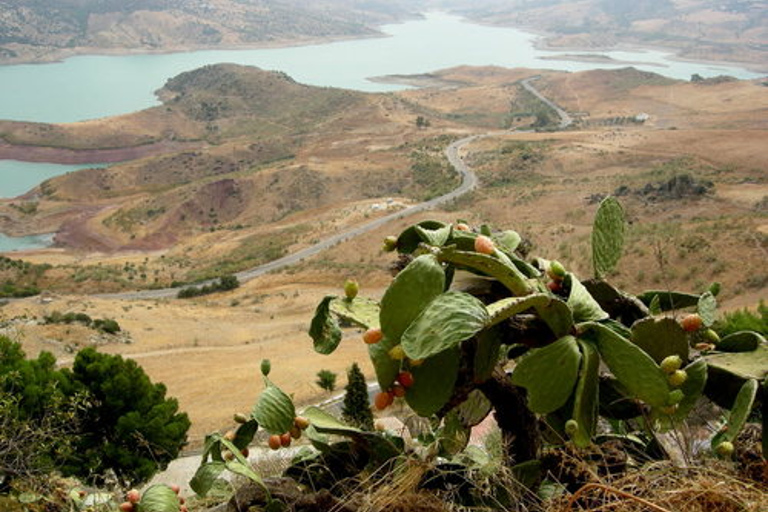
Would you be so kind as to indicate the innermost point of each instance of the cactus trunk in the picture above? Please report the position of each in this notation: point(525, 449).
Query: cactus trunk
point(518, 424)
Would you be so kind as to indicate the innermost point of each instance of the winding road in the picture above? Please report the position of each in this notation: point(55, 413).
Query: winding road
point(452, 152)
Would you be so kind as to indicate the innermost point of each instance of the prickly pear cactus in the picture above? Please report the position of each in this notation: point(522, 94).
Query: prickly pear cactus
point(549, 329)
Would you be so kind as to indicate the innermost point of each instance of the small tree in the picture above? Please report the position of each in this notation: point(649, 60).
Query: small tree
point(131, 428)
point(326, 379)
point(357, 408)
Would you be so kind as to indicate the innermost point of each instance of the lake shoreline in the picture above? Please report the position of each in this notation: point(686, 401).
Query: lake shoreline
point(66, 156)
point(540, 43)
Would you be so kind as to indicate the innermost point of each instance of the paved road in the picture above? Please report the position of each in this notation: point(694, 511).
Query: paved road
point(468, 183)
point(565, 119)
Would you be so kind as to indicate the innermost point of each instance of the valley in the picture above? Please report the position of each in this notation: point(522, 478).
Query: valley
point(271, 166)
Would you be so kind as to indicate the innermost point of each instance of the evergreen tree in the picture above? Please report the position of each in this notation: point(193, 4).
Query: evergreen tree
point(357, 408)
point(131, 427)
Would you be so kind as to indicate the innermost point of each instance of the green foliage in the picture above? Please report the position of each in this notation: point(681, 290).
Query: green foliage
point(744, 320)
point(224, 284)
point(104, 415)
point(105, 325)
point(20, 277)
point(326, 380)
point(131, 429)
point(559, 334)
point(357, 408)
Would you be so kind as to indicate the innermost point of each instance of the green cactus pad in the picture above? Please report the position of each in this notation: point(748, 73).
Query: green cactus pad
point(205, 477)
point(660, 338)
point(433, 382)
point(740, 411)
point(667, 300)
point(487, 353)
point(729, 370)
point(447, 321)
point(326, 423)
point(159, 498)
point(506, 273)
point(707, 309)
point(410, 239)
point(742, 341)
point(607, 236)
point(359, 311)
point(437, 237)
point(410, 292)
point(474, 409)
point(508, 241)
point(324, 329)
point(583, 306)
point(274, 410)
point(748, 365)
point(244, 434)
point(507, 308)
point(536, 370)
point(635, 369)
point(586, 395)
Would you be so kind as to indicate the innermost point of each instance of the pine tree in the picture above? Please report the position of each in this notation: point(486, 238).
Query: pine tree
point(357, 408)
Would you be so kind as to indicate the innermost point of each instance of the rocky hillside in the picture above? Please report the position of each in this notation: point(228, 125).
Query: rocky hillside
point(36, 28)
point(734, 30)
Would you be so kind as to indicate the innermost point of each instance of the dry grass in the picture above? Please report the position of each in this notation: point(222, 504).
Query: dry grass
point(665, 488)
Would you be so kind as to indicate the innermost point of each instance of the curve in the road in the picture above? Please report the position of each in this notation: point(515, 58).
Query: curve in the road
point(468, 183)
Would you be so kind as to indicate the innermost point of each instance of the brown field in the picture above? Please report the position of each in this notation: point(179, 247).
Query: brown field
point(207, 351)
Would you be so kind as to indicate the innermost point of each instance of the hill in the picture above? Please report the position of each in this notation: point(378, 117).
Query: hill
point(45, 29)
point(730, 30)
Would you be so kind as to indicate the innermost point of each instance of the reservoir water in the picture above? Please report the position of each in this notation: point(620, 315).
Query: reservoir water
point(88, 87)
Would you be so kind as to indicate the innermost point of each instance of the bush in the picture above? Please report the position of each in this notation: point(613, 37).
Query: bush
point(132, 428)
point(103, 417)
point(745, 320)
point(106, 325)
point(224, 284)
point(326, 380)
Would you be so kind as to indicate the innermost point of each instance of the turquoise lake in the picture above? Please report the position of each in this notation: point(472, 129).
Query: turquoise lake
point(88, 87)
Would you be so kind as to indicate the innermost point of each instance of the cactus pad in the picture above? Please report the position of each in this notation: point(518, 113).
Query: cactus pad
point(324, 329)
point(433, 382)
point(274, 411)
point(410, 292)
point(535, 373)
point(635, 369)
point(447, 321)
point(660, 337)
point(607, 236)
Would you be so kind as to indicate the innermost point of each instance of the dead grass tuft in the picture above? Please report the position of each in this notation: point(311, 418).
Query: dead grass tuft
point(663, 487)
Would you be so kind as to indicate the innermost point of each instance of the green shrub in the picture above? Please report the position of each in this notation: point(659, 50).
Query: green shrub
point(326, 380)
